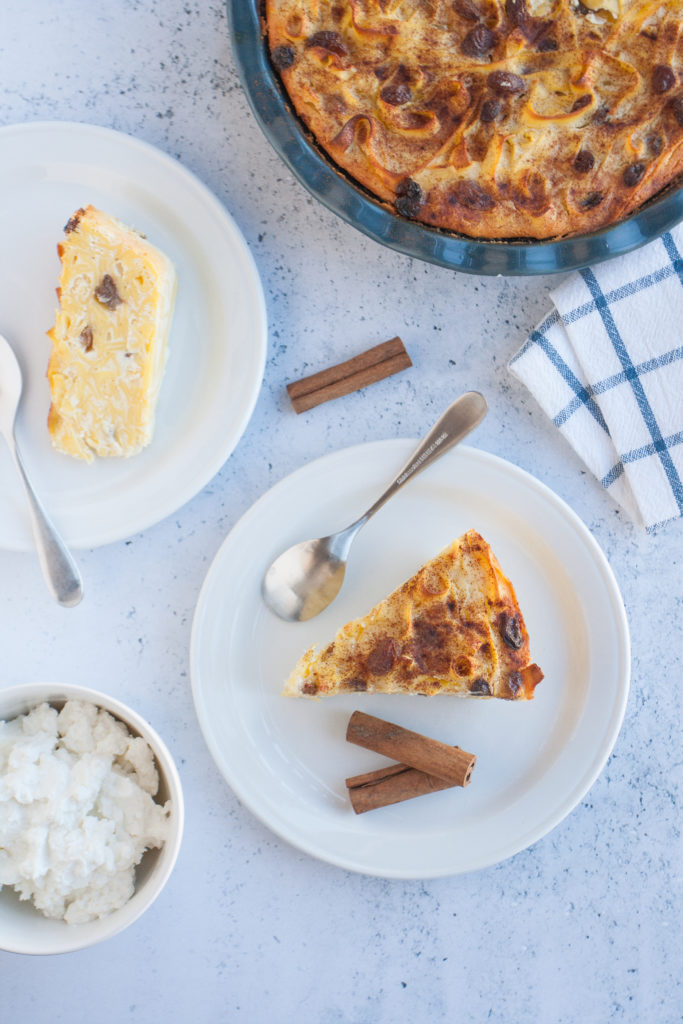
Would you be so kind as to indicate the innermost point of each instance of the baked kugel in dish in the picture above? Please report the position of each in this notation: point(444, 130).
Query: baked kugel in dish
point(491, 118)
point(455, 627)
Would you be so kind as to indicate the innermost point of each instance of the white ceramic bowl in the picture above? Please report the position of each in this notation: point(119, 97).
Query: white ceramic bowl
point(23, 929)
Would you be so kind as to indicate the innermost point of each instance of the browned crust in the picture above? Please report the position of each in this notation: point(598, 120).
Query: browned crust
point(455, 627)
point(400, 96)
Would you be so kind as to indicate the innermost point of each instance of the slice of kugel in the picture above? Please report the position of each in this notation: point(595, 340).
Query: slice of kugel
point(455, 627)
point(116, 296)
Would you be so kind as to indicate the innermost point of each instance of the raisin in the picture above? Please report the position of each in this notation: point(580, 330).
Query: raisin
point(511, 631)
point(478, 42)
point(655, 143)
point(85, 338)
point(106, 293)
point(310, 688)
point(514, 683)
point(663, 78)
point(633, 174)
point(490, 110)
point(584, 161)
point(466, 10)
point(283, 57)
point(581, 102)
point(73, 222)
point(409, 198)
point(517, 13)
point(330, 41)
point(382, 657)
point(480, 686)
point(592, 200)
point(677, 109)
point(395, 94)
point(601, 115)
point(547, 44)
point(473, 196)
point(505, 82)
point(355, 684)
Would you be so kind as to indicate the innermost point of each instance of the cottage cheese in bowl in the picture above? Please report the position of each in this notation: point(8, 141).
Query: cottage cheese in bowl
point(91, 817)
point(76, 809)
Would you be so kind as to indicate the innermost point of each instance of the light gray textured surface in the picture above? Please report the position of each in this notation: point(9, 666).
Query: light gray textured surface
point(583, 927)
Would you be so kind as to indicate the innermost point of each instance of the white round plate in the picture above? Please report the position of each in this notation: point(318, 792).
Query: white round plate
point(287, 759)
point(216, 350)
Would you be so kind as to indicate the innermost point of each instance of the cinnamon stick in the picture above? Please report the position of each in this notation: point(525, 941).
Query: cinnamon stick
point(367, 368)
point(432, 757)
point(391, 785)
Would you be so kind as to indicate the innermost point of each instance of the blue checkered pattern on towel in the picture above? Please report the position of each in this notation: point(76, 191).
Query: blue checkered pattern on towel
point(606, 365)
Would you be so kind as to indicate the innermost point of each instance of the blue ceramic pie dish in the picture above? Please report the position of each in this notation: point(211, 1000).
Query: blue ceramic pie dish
point(332, 187)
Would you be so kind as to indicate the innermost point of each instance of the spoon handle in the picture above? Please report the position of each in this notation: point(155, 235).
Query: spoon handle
point(59, 569)
point(461, 417)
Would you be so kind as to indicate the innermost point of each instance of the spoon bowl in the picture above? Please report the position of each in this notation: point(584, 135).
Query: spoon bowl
point(307, 577)
point(59, 568)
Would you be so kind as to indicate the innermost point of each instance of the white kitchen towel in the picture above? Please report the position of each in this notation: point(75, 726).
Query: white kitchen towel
point(606, 365)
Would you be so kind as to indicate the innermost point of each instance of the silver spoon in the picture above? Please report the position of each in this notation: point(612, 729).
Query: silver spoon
point(306, 578)
point(59, 568)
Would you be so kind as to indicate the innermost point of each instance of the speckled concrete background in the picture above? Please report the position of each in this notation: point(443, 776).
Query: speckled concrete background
point(583, 927)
